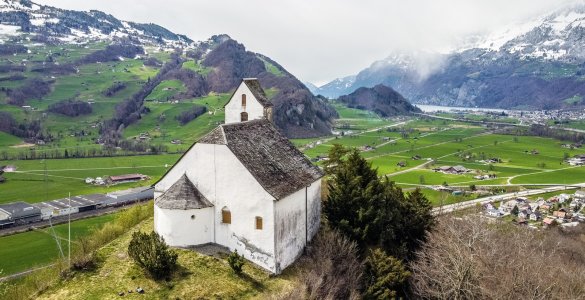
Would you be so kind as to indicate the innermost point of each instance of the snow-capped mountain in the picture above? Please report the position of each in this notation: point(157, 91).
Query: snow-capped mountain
point(557, 36)
point(52, 24)
point(336, 87)
point(539, 63)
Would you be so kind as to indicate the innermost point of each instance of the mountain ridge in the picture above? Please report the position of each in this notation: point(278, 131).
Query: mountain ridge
point(38, 34)
point(381, 99)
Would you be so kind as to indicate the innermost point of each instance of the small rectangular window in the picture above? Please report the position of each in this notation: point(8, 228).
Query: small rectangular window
point(226, 217)
point(243, 100)
point(259, 223)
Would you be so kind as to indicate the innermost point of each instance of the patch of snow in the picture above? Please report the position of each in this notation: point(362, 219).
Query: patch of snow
point(9, 29)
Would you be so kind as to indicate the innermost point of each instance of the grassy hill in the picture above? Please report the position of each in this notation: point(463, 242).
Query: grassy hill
point(199, 277)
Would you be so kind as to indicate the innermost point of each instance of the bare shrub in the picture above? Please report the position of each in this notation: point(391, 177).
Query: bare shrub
point(473, 259)
point(331, 269)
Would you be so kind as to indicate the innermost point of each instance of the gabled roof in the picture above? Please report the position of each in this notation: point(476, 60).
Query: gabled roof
point(254, 86)
point(214, 137)
point(278, 166)
point(182, 195)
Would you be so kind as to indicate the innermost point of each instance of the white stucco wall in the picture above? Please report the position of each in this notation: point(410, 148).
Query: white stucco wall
point(224, 181)
point(297, 221)
point(179, 229)
point(234, 108)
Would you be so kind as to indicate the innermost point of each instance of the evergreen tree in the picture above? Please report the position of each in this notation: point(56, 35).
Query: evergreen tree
point(152, 253)
point(374, 212)
point(335, 158)
point(515, 210)
point(385, 276)
point(236, 262)
point(354, 202)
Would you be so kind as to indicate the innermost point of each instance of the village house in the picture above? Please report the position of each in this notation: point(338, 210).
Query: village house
point(9, 168)
point(535, 216)
point(494, 213)
point(244, 186)
point(117, 179)
point(559, 214)
point(579, 195)
point(577, 160)
point(548, 221)
point(524, 213)
point(452, 169)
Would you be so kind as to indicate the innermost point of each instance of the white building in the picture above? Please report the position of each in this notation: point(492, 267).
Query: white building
point(249, 102)
point(243, 186)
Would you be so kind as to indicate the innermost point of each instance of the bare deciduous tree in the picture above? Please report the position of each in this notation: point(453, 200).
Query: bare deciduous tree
point(330, 270)
point(475, 259)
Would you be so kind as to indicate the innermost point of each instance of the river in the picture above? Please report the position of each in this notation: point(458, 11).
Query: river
point(435, 108)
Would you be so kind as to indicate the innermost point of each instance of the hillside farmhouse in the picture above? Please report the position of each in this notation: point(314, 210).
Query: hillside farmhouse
point(243, 186)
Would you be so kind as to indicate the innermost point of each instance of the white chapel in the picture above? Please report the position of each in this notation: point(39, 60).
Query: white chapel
point(243, 186)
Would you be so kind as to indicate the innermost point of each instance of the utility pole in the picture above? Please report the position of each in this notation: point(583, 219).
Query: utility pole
point(69, 238)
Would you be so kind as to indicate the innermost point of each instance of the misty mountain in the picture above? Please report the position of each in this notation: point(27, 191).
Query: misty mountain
point(313, 88)
point(380, 99)
point(538, 64)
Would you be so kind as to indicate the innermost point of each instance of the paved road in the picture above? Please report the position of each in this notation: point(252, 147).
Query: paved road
point(467, 204)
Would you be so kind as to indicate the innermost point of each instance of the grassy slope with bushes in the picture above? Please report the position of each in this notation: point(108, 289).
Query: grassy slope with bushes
point(198, 276)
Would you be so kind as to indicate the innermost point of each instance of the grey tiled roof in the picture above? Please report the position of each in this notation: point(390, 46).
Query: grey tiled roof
point(182, 195)
point(254, 85)
point(215, 136)
point(270, 157)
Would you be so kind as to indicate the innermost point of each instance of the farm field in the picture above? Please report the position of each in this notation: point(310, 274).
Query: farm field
point(390, 144)
point(36, 248)
point(392, 147)
point(68, 175)
point(162, 126)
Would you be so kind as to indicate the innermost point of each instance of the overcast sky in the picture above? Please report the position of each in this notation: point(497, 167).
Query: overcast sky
point(317, 40)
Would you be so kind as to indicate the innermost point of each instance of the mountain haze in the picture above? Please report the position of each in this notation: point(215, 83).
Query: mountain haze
point(538, 64)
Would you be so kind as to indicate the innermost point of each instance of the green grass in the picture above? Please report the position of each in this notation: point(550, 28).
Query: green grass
point(31, 249)
point(67, 176)
point(88, 84)
point(580, 124)
point(199, 277)
point(164, 129)
point(574, 100)
point(7, 140)
point(272, 68)
point(166, 90)
point(197, 67)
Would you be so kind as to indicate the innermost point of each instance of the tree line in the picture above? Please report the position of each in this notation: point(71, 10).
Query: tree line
point(546, 131)
point(105, 151)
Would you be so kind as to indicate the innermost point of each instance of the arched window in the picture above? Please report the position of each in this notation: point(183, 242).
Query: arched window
point(243, 100)
point(226, 216)
point(244, 116)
